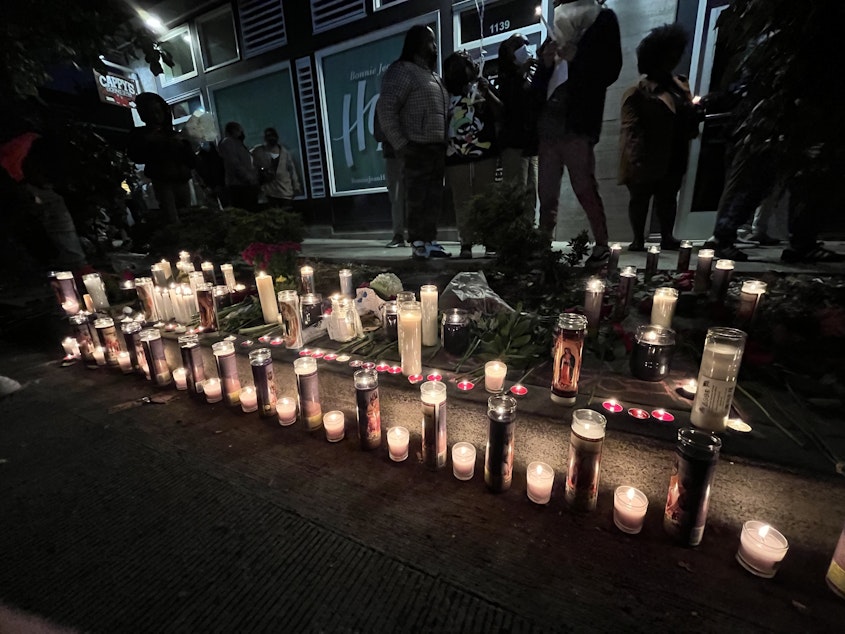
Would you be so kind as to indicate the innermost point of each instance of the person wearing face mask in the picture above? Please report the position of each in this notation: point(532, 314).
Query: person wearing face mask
point(276, 171)
point(241, 177)
point(412, 111)
point(518, 128)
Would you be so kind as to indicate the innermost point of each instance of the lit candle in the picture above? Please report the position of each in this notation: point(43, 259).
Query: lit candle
point(684, 254)
point(267, 296)
point(124, 360)
point(434, 441)
point(465, 385)
point(71, 347)
point(68, 292)
point(100, 355)
point(455, 331)
point(368, 408)
point(286, 410)
point(717, 377)
point(584, 467)
point(737, 424)
point(540, 478)
point(89, 303)
point(722, 274)
point(651, 260)
point(690, 388)
point(97, 290)
point(662, 415)
point(308, 392)
point(701, 282)
point(625, 291)
point(750, 294)
point(428, 303)
point(167, 270)
point(397, 443)
point(663, 306)
point(228, 276)
point(463, 460)
point(227, 370)
point(761, 549)
point(629, 509)
point(213, 391)
point(593, 298)
point(159, 278)
point(494, 376)
point(208, 272)
point(612, 406)
point(306, 278)
point(291, 319)
point(518, 389)
point(180, 376)
point(345, 276)
point(613, 261)
point(410, 337)
point(334, 423)
point(651, 357)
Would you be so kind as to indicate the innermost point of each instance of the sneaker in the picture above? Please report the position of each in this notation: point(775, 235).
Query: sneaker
point(418, 251)
point(466, 252)
point(815, 254)
point(600, 255)
point(730, 252)
point(763, 239)
point(436, 251)
point(398, 241)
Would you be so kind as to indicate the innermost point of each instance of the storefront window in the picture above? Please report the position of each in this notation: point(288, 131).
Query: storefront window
point(178, 43)
point(218, 42)
point(183, 107)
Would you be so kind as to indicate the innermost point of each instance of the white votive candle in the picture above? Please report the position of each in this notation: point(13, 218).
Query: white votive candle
point(100, 355)
point(494, 376)
point(761, 548)
point(249, 399)
point(180, 377)
point(334, 423)
point(213, 391)
point(286, 410)
point(397, 443)
point(663, 306)
point(540, 478)
point(463, 460)
point(124, 361)
point(71, 347)
point(629, 508)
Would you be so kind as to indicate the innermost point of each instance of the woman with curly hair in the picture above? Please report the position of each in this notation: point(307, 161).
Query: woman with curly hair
point(658, 121)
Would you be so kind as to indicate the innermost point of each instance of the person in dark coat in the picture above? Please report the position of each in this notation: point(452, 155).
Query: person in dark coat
point(657, 122)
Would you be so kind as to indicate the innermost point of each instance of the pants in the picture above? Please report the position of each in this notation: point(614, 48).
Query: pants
point(423, 167)
point(465, 181)
point(395, 194)
point(171, 198)
point(665, 195)
point(573, 152)
point(522, 169)
point(748, 183)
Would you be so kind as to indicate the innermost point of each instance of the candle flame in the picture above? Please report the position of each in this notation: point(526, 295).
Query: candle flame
point(630, 494)
point(539, 470)
point(764, 530)
point(538, 10)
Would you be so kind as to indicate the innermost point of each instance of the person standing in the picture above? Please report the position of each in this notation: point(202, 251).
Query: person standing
point(520, 105)
point(276, 171)
point(241, 176)
point(412, 111)
point(393, 181)
point(471, 153)
point(657, 122)
point(167, 157)
point(570, 122)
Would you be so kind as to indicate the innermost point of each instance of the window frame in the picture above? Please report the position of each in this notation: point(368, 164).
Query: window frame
point(185, 97)
point(198, 24)
point(179, 31)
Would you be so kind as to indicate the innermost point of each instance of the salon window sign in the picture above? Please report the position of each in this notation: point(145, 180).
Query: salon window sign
point(116, 89)
point(501, 17)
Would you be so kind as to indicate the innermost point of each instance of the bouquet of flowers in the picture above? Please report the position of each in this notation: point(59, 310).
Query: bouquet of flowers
point(278, 260)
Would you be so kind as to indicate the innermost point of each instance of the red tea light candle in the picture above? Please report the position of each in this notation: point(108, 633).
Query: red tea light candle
point(330, 356)
point(305, 352)
point(382, 366)
point(356, 363)
point(264, 338)
point(434, 376)
point(415, 378)
point(519, 390)
point(276, 341)
point(465, 385)
point(612, 406)
point(368, 365)
point(286, 411)
point(638, 413)
point(317, 354)
point(394, 369)
point(246, 343)
point(663, 416)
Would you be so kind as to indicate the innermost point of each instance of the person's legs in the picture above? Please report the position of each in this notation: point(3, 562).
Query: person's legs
point(423, 169)
point(550, 174)
point(580, 160)
point(530, 163)
point(638, 203)
point(666, 208)
point(396, 196)
point(748, 182)
point(166, 197)
point(459, 181)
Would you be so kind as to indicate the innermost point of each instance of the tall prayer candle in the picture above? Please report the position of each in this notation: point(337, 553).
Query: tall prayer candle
point(567, 348)
point(156, 361)
point(267, 296)
point(684, 254)
point(651, 357)
point(652, 258)
point(84, 335)
point(189, 348)
point(368, 408)
point(701, 283)
point(227, 370)
point(69, 292)
point(108, 338)
point(410, 337)
point(584, 468)
point(228, 275)
point(97, 290)
point(308, 392)
point(345, 276)
point(434, 447)
point(625, 291)
point(613, 260)
point(263, 376)
point(146, 297)
point(663, 306)
point(306, 277)
point(498, 457)
point(593, 298)
point(291, 319)
point(717, 377)
point(722, 274)
point(749, 301)
point(428, 302)
point(208, 272)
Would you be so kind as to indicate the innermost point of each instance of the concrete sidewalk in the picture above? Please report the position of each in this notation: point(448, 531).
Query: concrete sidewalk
point(193, 517)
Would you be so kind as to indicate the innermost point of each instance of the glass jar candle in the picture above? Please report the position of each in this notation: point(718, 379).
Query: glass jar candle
point(189, 348)
point(410, 337)
point(586, 440)
point(291, 319)
point(84, 335)
point(146, 297)
point(96, 289)
point(652, 258)
point(67, 293)
point(434, 447)
point(750, 296)
point(455, 335)
point(722, 274)
point(663, 306)
point(311, 309)
point(390, 320)
point(651, 356)
point(428, 306)
point(108, 338)
point(308, 393)
point(207, 307)
point(264, 378)
point(156, 361)
point(684, 256)
point(227, 370)
point(701, 282)
point(593, 299)
point(498, 457)
point(625, 291)
point(717, 376)
point(567, 347)
point(306, 280)
point(368, 408)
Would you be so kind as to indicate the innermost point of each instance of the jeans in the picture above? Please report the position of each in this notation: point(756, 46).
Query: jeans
point(395, 194)
point(574, 152)
point(749, 182)
point(465, 181)
point(423, 168)
point(665, 195)
point(522, 169)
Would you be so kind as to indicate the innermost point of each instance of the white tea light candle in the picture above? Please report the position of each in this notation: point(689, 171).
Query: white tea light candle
point(71, 347)
point(397, 443)
point(334, 423)
point(663, 306)
point(213, 391)
point(180, 376)
point(286, 410)
point(761, 549)
point(249, 399)
point(494, 376)
point(463, 460)
point(540, 477)
point(629, 509)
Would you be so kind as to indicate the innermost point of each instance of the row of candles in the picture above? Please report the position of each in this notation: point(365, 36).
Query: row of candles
point(761, 546)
